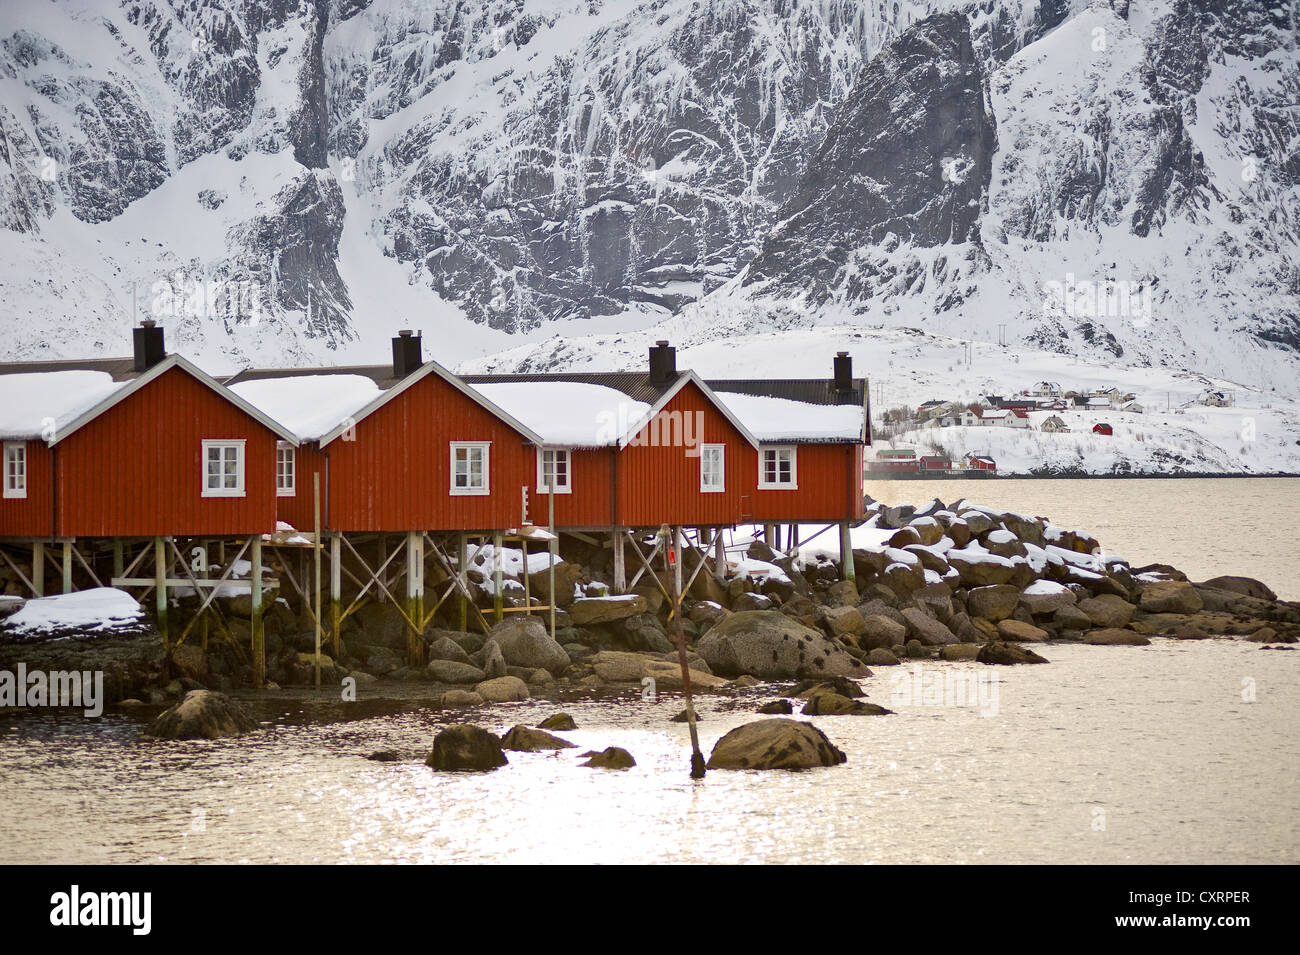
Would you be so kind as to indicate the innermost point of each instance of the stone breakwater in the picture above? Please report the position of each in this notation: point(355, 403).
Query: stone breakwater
point(944, 582)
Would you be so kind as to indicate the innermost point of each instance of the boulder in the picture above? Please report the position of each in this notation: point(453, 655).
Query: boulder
point(997, 652)
point(202, 714)
point(843, 621)
point(524, 642)
point(1170, 596)
point(461, 698)
point(567, 577)
point(558, 721)
point(1246, 586)
point(751, 601)
point(980, 570)
point(189, 662)
point(1046, 596)
point(491, 659)
point(615, 757)
point(881, 657)
point(770, 645)
point(591, 610)
point(993, 603)
point(776, 708)
point(775, 744)
point(928, 630)
point(525, 739)
point(503, 689)
point(1107, 610)
point(1020, 632)
point(616, 666)
point(960, 651)
point(444, 648)
point(1115, 637)
point(883, 632)
point(1071, 618)
point(449, 671)
point(842, 593)
point(832, 704)
point(463, 747)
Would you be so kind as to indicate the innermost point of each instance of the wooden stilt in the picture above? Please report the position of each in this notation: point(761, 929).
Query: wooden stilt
point(67, 567)
point(697, 758)
point(119, 559)
point(414, 596)
point(160, 585)
point(316, 550)
point(620, 560)
point(38, 568)
point(677, 570)
point(336, 589)
point(719, 554)
point(259, 632)
point(462, 571)
point(846, 552)
point(553, 550)
point(499, 597)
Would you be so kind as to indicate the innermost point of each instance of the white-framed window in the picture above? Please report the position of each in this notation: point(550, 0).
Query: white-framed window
point(15, 468)
point(286, 469)
point(553, 464)
point(713, 476)
point(778, 468)
point(469, 467)
point(223, 468)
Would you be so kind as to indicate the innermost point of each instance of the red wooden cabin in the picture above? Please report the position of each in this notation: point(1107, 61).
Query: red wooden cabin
point(137, 447)
point(1103, 429)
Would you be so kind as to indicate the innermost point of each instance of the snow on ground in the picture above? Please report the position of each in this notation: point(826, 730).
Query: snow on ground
point(99, 610)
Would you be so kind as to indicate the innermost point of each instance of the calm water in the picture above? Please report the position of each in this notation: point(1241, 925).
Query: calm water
point(1203, 526)
point(1109, 754)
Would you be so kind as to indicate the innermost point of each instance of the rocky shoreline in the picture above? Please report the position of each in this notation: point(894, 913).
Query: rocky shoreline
point(945, 582)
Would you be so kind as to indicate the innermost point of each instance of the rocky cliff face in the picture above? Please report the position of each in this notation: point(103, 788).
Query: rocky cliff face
point(512, 163)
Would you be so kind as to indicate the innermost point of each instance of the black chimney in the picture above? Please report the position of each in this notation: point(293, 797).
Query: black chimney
point(663, 364)
point(148, 340)
point(406, 353)
point(843, 375)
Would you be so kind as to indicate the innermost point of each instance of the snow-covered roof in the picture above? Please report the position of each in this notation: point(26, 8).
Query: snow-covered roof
point(780, 419)
point(567, 413)
point(40, 404)
point(308, 405)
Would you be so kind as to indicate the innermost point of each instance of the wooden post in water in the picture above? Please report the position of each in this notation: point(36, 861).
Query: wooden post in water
point(675, 555)
point(414, 596)
point(552, 546)
point(499, 597)
point(846, 553)
point(38, 568)
point(67, 567)
point(316, 553)
point(462, 572)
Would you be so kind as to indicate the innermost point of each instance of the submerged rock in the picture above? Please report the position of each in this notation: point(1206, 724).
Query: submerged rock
point(775, 744)
point(524, 739)
point(615, 757)
point(202, 714)
point(997, 652)
point(832, 704)
point(463, 747)
point(558, 721)
point(503, 689)
point(776, 708)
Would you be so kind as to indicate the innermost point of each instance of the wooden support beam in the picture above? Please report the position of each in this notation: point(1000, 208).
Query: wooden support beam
point(414, 597)
point(259, 631)
point(619, 539)
point(316, 550)
point(678, 539)
point(18, 572)
point(336, 589)
point(160, 585)
point(38, 568)
point(462, 575)
point(499, 597)
point(719, 555)
point(119, 560)
point(846, 552)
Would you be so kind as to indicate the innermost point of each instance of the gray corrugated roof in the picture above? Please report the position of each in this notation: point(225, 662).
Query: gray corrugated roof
point(119, 369)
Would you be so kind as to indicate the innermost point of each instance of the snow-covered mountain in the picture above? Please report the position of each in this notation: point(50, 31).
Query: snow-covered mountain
point(293, 180)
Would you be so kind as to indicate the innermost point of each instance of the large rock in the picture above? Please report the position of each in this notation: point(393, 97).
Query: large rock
point(1046, 596)
point(1247, 586)
point(833, 704)
point(525, 739)
point(615, 666)
point(844, 621)
point(463, 747)
point(770, 645)
point(591, 610)
point(567, 577)
point(980, 570)
point(450, 671)
point(879, 631)
point(503, 689)
point(524, 642)
point(614, 757)
point(1019, 632)
point(1115, 637)
point(775, 744)
point(444, 648)
point(202, 714)
point(993, 603)
point(189, 661)
point(1170, 596)
point(997, 652)
point(1108, 610)
point(928, 630)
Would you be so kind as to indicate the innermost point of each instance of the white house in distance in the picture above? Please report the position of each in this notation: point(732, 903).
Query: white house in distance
point(1048, 389)
point(1055, 424)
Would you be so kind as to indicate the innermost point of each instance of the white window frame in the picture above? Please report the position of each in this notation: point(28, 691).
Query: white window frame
point(240, 461)
point(286, 467)
point(705, 451)
point(778, 485)
point(557, 454)
point(485, 447)
point(15, 451)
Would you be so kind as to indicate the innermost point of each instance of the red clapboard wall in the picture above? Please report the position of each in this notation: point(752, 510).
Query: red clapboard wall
point(33, 515)
point(829, 478)
point(137, 469)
